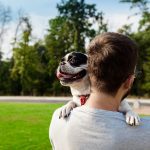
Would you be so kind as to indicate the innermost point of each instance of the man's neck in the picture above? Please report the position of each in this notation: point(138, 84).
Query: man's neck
point(103, 101)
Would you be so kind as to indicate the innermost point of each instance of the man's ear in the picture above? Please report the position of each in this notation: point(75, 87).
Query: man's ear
point(129, 81)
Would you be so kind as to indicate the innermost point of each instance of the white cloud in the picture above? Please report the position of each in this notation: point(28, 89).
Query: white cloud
point(40, 25)
point(116, 21)
point(8, 39)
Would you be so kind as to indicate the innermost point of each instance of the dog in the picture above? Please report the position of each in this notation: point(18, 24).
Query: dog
point(72, 72)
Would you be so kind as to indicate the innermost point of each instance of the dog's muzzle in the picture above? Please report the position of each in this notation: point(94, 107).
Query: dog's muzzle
point(67, 77)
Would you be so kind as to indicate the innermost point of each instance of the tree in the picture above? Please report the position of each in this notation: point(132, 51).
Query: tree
point(142, 37)
point(43, 86)
point(102, 25)
point(5, 82)
point(125, 29)
point(80, 17)
point(141, 4)
point(58, 43)
point(144, 61)
point(26, 61)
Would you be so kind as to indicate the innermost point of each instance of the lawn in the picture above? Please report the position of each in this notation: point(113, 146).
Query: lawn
point(24, 126)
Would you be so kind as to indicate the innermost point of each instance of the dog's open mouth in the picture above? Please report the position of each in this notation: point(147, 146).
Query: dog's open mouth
point(66, 77)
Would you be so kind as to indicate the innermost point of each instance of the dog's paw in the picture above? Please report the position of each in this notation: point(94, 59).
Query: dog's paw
point(65, 110)
point(132, 118)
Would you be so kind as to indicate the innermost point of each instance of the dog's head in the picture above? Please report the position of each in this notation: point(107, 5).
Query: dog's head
point(72, 68)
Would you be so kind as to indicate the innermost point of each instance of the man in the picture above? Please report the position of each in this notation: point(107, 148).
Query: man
point(98, 125)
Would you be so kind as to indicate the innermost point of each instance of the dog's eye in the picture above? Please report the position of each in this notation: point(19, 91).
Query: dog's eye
point(70, 57)
point(72, 61)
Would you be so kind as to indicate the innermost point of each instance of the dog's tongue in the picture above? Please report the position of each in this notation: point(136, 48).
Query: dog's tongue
point(61, 75)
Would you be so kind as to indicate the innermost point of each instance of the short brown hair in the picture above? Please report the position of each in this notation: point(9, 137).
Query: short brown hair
point(112, 58)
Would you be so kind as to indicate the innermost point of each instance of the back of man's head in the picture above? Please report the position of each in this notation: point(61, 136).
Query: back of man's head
point(112, 58)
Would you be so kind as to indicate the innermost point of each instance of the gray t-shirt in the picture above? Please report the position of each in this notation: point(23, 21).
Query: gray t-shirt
point(95, 129)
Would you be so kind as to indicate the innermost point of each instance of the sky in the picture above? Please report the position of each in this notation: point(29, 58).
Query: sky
point(40, 11)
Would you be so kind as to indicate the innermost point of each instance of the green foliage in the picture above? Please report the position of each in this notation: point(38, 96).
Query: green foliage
point(80, 18)
point(102, 25)
point(31, 70)
point(26, 62)
point(144, 23)
point(144, 59)
point(141, 4)
point(125, 29)
point(5, 82)
point(142, 38)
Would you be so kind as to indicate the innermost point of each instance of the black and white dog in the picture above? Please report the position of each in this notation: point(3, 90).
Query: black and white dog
point(72, 72)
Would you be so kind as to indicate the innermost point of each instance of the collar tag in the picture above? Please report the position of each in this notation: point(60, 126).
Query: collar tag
point(83, 99)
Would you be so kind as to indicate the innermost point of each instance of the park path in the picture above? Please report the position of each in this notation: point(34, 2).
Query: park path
point(144, 110)
point(141, 106)
point(34, 99)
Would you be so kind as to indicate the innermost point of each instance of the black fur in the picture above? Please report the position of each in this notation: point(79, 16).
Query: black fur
point(76, 59)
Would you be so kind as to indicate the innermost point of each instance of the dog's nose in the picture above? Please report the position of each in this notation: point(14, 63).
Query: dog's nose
point(62, 63)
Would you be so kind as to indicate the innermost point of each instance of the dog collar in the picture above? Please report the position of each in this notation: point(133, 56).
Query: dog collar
point(83, 98)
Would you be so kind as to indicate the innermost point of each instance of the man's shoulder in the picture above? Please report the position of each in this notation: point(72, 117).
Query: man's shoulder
point(55, 122)
point(57, 112)
point(56, 116)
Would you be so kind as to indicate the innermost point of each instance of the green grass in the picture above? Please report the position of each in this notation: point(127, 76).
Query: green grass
point(25, 126)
